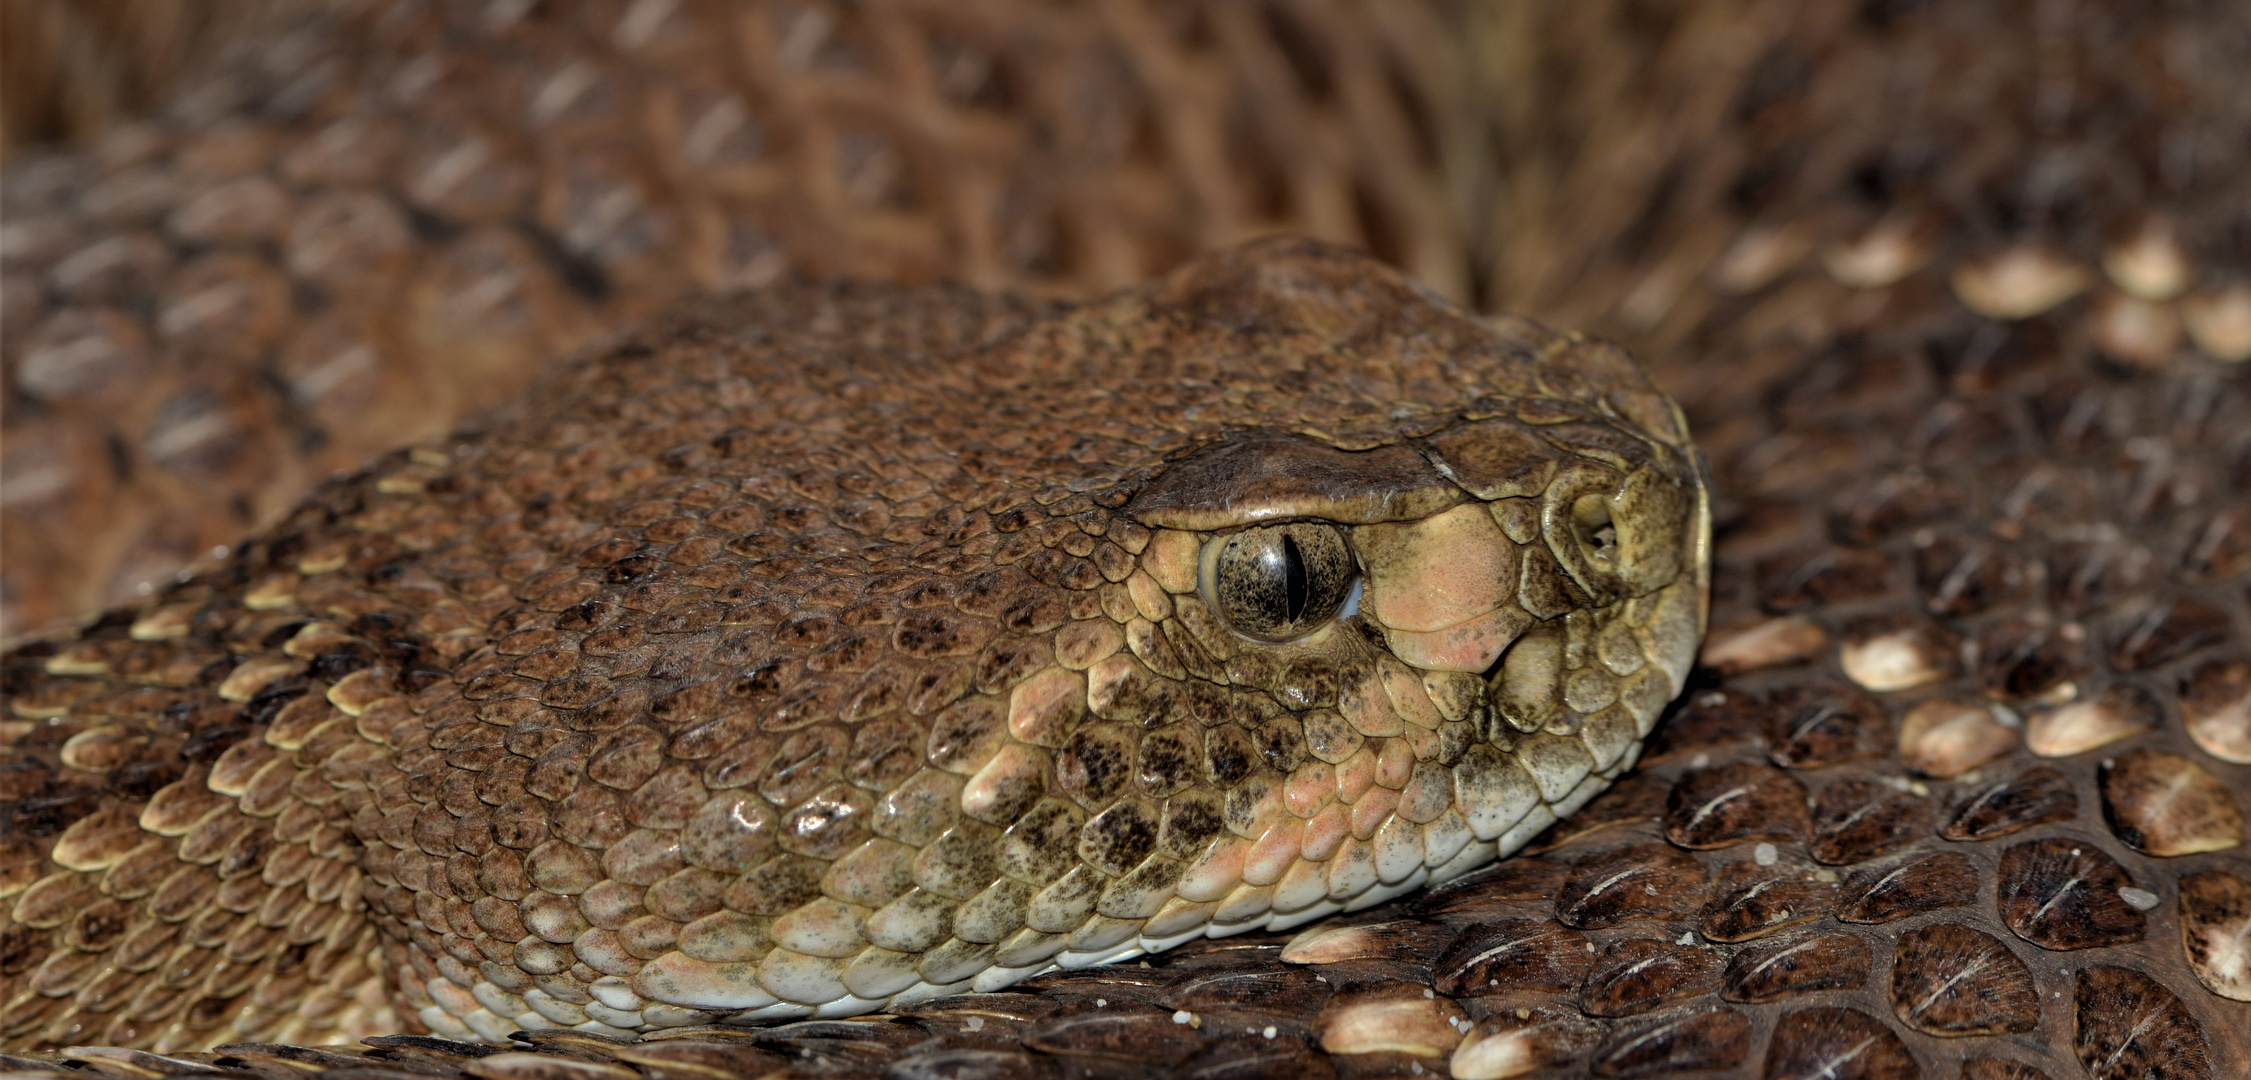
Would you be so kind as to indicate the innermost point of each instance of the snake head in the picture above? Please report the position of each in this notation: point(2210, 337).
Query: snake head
point(1517, 565)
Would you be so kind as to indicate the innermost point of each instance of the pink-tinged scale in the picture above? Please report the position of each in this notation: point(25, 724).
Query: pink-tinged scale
point(1044, 709)
point(1439, 572)
point(1326, 831)
point(1007, 785)
point(1372, 811)
point(1356, 774)
point(823, 927)
point(1469, 646)
point(1395, 763)
point(1272, 854)
point(1309, 788)
point(684, 980)
point(1217, 873)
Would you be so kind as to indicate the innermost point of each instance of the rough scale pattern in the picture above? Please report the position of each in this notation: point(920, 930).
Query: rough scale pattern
point(360, 224)
point(1980, 561)
point(845, 648)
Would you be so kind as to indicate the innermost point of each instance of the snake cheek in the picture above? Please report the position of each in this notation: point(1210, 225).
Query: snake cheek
point(1439, 572)
point(1470, 646)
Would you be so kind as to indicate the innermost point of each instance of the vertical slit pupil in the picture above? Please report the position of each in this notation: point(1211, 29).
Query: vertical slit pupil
point(1295, 590)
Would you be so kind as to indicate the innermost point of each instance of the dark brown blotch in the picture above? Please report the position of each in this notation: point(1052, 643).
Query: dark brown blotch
point(1518, 954)
point(1948, 979)
point(2168, 632)
point(1751, 901)
point(1727, 804)
point(1829, 1043)
point(1770, 972)
point(1882, 894)
point(2030, 798)
point(2063, 894)
point(1684, 1042)
point(2131, 1028)
point(1856, 820)
point(1117, 839)
point(1641, 881)
point(1125, 1031)
point(1818, 725)
point(1639, 974)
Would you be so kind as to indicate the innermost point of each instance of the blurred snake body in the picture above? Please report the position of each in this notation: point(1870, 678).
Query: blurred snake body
point(815, 668)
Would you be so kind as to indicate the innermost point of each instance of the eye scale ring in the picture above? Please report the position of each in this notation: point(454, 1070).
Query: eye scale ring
point(1277, 582)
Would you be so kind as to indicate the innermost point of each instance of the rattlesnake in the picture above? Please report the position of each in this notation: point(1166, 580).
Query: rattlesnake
point(1953, 792)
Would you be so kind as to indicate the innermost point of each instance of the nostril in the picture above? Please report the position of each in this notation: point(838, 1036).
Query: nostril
point(1590, 522)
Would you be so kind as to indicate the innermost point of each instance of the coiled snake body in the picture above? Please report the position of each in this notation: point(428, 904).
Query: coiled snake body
point(850, 648)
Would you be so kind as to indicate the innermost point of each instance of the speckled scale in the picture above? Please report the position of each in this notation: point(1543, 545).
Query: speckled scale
point(1855, 820)
point(1636, 975)
point(2081, 533)
point(875, 776)
point(1998, 809)
point(1950, 980)
point(1818, 725)
point(1910, 886)
point(1828, 1041)
point(1730, 803)
point(1643, 881)
point(1751, 901)
point(1515, 954)
point(2065, 894)
point(1801, 965)
point(2127, 1025)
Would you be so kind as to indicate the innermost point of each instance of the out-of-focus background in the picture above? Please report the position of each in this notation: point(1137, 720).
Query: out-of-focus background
point(71, 69)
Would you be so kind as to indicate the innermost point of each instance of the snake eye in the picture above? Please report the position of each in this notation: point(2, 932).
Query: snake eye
point(1277, 582)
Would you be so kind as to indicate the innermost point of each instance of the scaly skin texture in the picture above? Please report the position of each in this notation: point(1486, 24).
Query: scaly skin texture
point(1976, 695)
point(790, 662)
point(357, 226)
